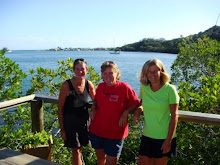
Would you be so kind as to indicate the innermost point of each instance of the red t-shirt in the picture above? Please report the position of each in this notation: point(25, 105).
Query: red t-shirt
point(111, 102)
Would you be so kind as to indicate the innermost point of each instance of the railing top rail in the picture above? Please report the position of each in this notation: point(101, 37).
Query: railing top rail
point(47, 99)
point(198, 117)
point(16, 102)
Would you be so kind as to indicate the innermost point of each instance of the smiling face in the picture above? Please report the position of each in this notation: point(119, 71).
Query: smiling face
point(109, 76)
point(80, 70)
point(153, 74)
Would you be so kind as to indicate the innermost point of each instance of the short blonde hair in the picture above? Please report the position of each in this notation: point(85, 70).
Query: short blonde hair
point(164, 75)
point(111, 64)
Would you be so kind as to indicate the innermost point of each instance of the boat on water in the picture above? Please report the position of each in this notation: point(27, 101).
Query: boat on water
point(115, 52)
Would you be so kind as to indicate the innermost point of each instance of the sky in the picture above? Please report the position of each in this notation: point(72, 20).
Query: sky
point(45, 24)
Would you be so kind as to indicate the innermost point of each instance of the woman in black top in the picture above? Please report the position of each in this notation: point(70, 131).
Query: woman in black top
point(73, 112)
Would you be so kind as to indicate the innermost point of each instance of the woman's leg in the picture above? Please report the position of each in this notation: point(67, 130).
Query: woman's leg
point(101, 156)
point(76, 156)
point(144, 160)
point(160, 161)
point(110, 160)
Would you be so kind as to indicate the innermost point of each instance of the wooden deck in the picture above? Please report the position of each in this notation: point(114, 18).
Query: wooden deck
point(10, 157)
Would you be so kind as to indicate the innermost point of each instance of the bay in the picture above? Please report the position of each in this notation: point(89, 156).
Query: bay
point(129, 63)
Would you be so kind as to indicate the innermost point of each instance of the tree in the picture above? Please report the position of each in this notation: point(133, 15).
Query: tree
point(196, 59)
point(168, 46)
point(196, 72)
point(10, 78)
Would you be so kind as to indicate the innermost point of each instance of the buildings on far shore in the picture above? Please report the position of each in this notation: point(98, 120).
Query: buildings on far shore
point(77, 49)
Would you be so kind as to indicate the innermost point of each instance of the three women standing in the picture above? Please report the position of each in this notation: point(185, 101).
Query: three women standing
point(113, 101)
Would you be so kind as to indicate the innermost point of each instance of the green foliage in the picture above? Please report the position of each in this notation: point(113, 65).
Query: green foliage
point(130, 149)
point(48, 81)
point(153, 45)
point(88, 155)
point(17, 126)
point(10, 78)
point(204, 98)
point(196, 71)
point(60, 155)
point(20, 118)
point(197, 144)
point(196, 59)
point(168, 46)
point(22, 138)
point(29, 140)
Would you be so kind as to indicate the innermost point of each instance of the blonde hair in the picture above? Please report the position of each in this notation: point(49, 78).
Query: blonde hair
point(111, 64)
point(164, 75)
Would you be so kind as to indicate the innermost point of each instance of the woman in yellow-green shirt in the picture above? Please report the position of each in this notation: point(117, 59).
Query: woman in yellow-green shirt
point(160, 102)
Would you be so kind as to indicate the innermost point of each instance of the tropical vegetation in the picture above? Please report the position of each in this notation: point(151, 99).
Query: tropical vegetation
point(168, 46)
point(196, 71)
point(196, 74)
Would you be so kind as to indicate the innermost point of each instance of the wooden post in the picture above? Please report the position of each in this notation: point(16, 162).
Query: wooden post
point(37, 116)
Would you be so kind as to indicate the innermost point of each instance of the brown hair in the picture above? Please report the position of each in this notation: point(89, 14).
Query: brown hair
point(79, 61)
point(111, 64)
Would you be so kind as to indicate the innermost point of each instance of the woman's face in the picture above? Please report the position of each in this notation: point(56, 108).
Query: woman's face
point(153, 74)
point(109, 76)
point(80, 70)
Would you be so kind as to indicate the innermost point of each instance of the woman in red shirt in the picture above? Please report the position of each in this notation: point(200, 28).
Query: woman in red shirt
point(113, 101)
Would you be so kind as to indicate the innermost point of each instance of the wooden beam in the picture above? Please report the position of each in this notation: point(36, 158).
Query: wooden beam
point(16, 102)
point(47, 99)
point(198, 117)
point(37, 116)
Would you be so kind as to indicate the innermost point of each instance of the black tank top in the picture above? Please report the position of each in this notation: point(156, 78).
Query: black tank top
point(75, 102)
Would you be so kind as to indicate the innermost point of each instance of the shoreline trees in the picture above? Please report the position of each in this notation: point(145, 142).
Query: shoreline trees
point(168, 46)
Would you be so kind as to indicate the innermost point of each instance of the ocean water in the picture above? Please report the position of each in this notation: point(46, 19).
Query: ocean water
point(129, 63)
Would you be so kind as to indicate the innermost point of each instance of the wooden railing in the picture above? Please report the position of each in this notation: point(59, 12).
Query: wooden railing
point(37, 111)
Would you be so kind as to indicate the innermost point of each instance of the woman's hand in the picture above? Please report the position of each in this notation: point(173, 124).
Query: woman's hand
point(123, 119)
point(166, 147)
point(136, 118)
point(92, 114)
point(137, 114)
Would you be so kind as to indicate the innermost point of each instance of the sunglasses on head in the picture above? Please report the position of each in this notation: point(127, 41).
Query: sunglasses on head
point(79, 60)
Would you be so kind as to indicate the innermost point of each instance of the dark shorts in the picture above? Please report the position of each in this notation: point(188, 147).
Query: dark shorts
point(76, 129)
point(112, 147)
point(152, 148)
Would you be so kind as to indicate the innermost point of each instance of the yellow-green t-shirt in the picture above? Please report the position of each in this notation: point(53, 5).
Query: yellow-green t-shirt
point(156, 107)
